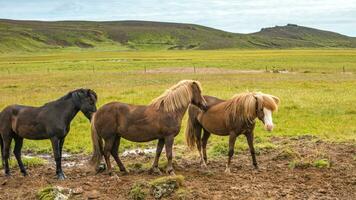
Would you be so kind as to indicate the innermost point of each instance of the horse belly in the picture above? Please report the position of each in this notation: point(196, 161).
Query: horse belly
point(32, 133)
point(140, 134)
point(30, 130)
point(214, 125)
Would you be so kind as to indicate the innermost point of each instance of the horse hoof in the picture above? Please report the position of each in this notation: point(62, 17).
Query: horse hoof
point(24, 174)
point(155, 171)
point(204, 166)
point(100, 168)
point(61, 177)
point(125, 172)
point(171, 172)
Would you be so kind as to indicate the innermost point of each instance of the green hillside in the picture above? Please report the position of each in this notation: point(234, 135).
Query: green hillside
point(124, 35)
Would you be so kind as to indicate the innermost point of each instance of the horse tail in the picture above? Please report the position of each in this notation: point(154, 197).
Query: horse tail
point(2, 149)
point(97, 145)
point(193, 129)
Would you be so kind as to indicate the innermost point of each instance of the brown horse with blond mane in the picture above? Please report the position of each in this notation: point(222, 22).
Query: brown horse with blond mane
point(231, 118)
point(161, 120)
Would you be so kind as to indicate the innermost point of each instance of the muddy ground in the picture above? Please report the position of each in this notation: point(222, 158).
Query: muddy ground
point(276, 178)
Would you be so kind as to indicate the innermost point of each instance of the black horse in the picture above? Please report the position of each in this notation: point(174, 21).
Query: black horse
point(50, 121)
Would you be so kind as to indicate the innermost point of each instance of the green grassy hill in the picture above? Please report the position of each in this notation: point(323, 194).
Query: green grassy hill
point(123, 35)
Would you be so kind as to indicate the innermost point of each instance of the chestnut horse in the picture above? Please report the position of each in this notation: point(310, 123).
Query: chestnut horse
point(161, 120)
point(231, 118)
point(50, 121)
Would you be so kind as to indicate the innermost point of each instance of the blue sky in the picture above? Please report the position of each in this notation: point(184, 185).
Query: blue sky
point(241, 16)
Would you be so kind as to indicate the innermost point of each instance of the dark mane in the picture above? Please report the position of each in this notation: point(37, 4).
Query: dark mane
point(69, 94)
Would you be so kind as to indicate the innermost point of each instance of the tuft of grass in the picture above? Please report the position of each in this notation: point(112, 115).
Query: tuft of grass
point(135, 167)
point(321, 163)
point(27, 161)
point(298, 164)
point(287, 154)
point(182, 194)
point(138, 191)
point(219, 149)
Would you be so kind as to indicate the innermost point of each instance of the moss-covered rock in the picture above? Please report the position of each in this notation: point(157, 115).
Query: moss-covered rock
point(53, 193)
point(164, 186)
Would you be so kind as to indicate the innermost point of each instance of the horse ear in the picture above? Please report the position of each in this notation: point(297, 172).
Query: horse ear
point(92, 94)
point(197, 85)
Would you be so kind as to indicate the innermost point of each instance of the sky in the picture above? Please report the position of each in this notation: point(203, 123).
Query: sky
point(239, 16)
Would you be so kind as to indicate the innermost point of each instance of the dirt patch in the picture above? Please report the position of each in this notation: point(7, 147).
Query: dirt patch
point(275, 179)
point(199, 70)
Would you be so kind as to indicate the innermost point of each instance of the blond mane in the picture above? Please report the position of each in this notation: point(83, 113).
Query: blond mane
point(242, 107)
point(176, 97)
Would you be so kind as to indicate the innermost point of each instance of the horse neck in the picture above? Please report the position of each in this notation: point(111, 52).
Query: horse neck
point(180, 112)
point(68, 109)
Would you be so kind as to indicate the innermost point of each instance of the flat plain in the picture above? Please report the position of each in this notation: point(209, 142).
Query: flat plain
point(316, 88)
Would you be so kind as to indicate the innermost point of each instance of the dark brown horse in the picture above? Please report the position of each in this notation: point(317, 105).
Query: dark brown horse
point(50, 121)
point(231, 118)
point(161, 120)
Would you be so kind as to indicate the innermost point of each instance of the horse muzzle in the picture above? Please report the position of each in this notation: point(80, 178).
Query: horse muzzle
point(269, 127)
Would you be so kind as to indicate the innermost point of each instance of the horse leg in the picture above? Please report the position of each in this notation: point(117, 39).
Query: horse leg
point(205, 138)
point(232, 139)
point(107, 151)
point(7, 143)
point(56, 146)
point(249, 137)
point(115, 154)
point(199, 147)
point(17, 152)
point(2, 151)
point(169, 153)
point(159, 148)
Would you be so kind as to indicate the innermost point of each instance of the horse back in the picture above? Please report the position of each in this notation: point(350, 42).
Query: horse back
point(133, 122)
point(23, 121)
point(213, 119)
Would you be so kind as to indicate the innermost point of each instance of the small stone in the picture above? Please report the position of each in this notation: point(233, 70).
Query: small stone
point(78, 190)
point(322, 191)
point(93, 194)
point(115, 178)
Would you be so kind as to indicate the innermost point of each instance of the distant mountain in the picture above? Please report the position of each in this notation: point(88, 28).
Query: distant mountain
point(18, 35)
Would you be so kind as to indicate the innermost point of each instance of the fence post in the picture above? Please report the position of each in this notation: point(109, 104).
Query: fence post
point(194, 69)
point(343, 69)
point(145, 69)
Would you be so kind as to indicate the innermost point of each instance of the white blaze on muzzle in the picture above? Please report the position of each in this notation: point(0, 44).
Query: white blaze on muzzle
point(268, 119)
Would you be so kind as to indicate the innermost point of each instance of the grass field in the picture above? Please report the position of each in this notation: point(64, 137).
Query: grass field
point(317, 96)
